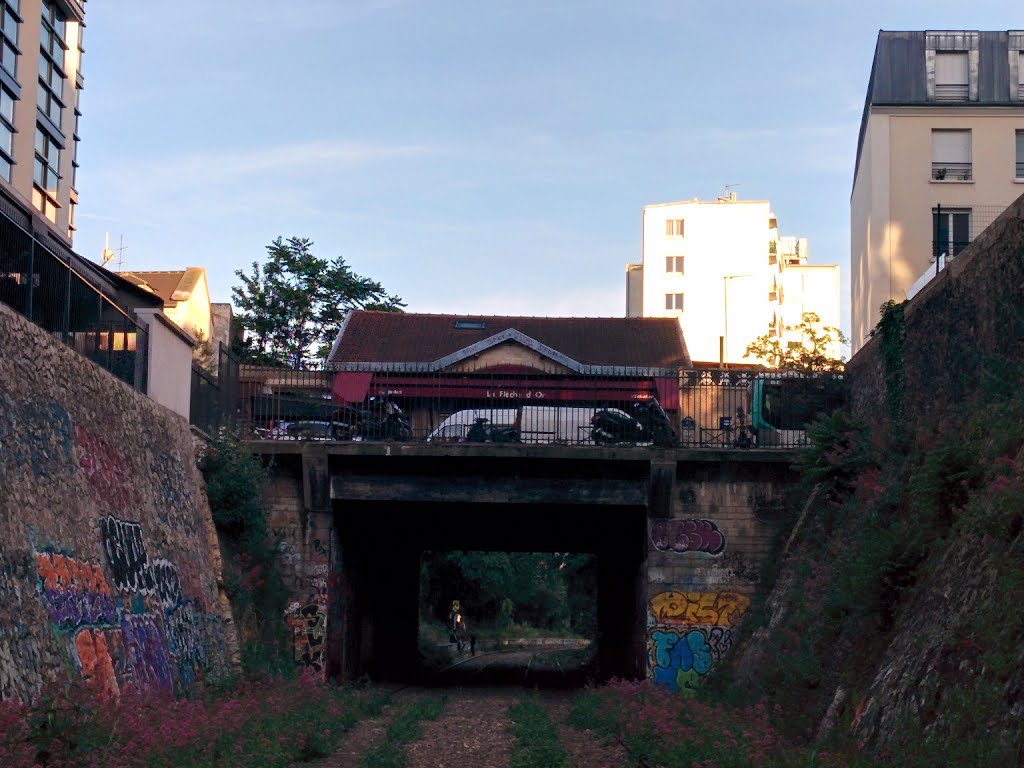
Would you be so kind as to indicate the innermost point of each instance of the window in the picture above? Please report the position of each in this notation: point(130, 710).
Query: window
point(9, 36)
point(674, 264)
point(674, 301)
point(1020, 156)
point(44, 176)
point(952, 232)
point(674, 228)
point(50, 91)
point(773, 253)
point(951, 76)
point(951, 155)
point(6, 133)
point(471, 325)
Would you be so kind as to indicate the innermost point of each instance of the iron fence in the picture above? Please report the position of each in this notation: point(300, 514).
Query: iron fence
point(215, 402)
point(42, 285)
point(695, 408)
point(956, 227)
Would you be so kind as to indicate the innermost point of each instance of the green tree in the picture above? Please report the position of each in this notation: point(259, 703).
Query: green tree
point(811, 355)
point(292, 307)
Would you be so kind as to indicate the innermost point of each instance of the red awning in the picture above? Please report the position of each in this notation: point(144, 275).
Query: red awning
point(351, 386)
point(507, 389)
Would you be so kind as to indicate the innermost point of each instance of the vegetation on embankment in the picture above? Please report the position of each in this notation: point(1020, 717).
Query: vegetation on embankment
point(259, 724)
point(236, 483)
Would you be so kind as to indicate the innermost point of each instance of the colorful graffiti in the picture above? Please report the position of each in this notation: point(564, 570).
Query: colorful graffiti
point(687, 536)
point(105, 467)
point(716, 609)
point(309, 629)
point(689, 632)
point(74, 592)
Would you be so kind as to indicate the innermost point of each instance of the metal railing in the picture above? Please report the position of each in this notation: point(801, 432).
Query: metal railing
point(215, 401)
point(43, 285)
point(951, 172)
point(663, 407)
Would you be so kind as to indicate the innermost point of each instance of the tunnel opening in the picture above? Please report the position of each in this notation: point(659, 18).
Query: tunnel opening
point(394, 557)
point(508, 617)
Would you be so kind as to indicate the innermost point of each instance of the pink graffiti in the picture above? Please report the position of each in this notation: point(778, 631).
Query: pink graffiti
point(687, 536)
point(104, 467)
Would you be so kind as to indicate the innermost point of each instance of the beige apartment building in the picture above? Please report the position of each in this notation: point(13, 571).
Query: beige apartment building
point(40, 83)
point(722, 269)
point(939, 156)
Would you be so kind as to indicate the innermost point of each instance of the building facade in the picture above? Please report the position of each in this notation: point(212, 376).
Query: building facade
point(40, 84)
point(940, 154)
point(722, 269)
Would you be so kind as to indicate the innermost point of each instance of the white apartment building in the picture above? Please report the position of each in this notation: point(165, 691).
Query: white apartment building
point(722, 269)
point(940, 155)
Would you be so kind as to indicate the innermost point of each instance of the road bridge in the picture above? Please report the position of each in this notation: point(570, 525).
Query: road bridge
point(679, 537)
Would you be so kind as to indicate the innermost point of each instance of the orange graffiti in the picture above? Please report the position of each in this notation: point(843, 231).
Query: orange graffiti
point(97, 667)
point(67, 574)
point(705, 609)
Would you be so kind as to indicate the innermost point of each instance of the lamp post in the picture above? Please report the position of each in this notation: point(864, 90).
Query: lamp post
point(723, 351)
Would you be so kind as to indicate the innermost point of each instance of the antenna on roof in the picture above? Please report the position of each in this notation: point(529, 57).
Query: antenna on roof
point(730, 196)
point(109, 253)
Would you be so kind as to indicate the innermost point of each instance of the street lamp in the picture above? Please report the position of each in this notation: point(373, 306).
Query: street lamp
point(723, 348)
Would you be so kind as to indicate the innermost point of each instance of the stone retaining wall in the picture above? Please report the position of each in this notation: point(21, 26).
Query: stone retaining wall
point(109, 563)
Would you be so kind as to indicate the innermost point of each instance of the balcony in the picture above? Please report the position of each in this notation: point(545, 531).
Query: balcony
point(951, 172)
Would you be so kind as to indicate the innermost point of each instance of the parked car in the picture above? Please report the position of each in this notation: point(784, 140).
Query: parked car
point(309, 430)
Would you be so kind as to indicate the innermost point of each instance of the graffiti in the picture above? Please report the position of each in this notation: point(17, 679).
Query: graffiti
point(126, 555)
point(144, 647)
point(74, 592)
point(20, 664)
point(184, 633)
point(678, 659)
point(37, 435)
point(309, 625)
point(687, 536)
point(321, 547)
point(167, 585)
point(92, 651)
point(174, 491)
point(104, 467)
point(713, 609)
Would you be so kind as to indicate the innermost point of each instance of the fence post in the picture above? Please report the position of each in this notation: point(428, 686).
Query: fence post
point(67, 306)
point(31, 276)
point(935, 236)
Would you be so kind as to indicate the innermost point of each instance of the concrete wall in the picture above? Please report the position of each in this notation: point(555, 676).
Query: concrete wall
point(169, 378)
point(109, 564)
point(707, 542)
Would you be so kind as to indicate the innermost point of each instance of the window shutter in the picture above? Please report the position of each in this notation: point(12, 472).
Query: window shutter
point(951, 68)
point(951, 146)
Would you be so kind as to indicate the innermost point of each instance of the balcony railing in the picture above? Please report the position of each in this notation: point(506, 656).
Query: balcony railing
point(658, 408)
point(951, 172)
point(44, 286)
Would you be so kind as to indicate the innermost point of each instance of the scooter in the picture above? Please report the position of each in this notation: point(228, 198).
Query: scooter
point(483, 431)
point(382, 420)
point(648, 424)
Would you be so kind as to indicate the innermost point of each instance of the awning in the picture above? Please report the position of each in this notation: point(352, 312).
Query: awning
point(351, 386)
point(509, 390)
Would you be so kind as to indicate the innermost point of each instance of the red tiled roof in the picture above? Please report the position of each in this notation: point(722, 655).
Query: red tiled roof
point(404, 337)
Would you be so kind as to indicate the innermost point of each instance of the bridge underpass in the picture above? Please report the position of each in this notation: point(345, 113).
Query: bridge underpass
point(353, 520)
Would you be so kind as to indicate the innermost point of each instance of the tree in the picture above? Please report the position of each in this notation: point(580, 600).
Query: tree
point(292, 307)
point(812, 353)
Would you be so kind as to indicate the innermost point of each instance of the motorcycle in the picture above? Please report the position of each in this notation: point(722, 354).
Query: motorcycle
point(483, 431)
point(648, 424)
point(380, 420)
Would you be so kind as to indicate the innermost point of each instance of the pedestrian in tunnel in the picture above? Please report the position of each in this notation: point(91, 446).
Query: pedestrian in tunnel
point(457, 628)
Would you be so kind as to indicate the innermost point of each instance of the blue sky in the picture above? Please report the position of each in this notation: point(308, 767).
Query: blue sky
point(473, 157)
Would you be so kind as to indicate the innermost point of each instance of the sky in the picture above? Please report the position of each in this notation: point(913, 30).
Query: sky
point(473, 157)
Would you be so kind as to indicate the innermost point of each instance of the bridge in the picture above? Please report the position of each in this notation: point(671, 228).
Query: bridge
point(679, 535)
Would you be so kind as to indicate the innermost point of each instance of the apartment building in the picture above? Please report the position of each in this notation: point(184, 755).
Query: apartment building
point(40, 84)
point(940, 154)
point(722, 269)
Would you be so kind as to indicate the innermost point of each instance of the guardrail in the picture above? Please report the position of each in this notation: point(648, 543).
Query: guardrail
point(697, 408)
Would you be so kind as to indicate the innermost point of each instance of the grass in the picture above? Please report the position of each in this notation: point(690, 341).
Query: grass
point(404, 728)
point(536, 739)
point(260, 724)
